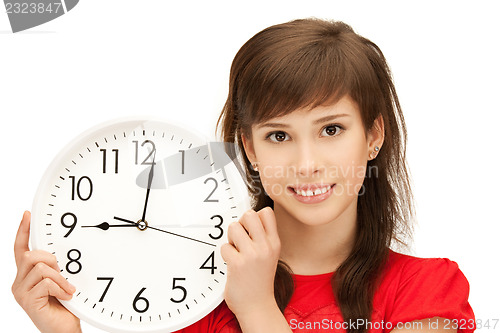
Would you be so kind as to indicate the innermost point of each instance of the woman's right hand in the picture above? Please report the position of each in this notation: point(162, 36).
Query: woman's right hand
point(39, 283)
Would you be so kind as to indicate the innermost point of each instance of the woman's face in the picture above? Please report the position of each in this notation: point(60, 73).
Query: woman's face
point(321, 153)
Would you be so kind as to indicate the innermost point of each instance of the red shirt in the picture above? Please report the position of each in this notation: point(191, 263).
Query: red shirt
point(411, 289)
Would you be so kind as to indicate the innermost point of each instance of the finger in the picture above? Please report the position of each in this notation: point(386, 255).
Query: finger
point(42, 271)
point(22, 238)
point(46, 288)
point(252, 223)
point(228, 253)
point(31, 258)
point(268, 219)
point(238, 236)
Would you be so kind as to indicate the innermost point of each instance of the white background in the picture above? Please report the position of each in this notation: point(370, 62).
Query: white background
point(114, 58)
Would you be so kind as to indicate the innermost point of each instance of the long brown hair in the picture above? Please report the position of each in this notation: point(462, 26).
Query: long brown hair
point(312, 62)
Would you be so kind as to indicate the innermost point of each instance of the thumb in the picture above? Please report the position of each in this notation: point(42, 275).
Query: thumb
point(21, 244)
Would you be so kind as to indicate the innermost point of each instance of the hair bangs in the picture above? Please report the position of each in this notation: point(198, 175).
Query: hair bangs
point(283, 79)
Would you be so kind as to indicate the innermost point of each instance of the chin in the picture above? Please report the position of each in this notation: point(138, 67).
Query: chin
point(317, 219)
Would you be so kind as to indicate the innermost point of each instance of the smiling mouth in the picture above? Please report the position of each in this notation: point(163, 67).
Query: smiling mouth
point(311, 191)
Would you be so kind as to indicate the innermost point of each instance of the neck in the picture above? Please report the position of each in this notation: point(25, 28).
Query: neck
point(316, 249)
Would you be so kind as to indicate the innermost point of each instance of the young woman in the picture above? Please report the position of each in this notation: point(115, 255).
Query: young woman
point(313, 107)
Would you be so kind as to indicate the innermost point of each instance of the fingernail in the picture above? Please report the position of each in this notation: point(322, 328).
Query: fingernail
point(72, 288)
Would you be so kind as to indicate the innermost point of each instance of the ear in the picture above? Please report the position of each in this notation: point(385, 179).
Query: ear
point(249, 148)
point(375, 137)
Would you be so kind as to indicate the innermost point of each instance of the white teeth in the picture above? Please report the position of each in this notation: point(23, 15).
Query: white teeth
point(310, 193)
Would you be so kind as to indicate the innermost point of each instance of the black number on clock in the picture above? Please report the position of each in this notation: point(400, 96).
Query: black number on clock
point(77, 187)
point(184, 291)
point(104, 160)
point(74, 260)
point(208, 198)
point(107, 287)
point(218, 226)
point(139, 298)
point(153, 151)
point(210, 258)
point(70, 226)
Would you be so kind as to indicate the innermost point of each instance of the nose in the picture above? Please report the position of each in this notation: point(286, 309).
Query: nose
point(308, 160)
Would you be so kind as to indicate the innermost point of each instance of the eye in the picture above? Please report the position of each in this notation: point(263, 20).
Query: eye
point(279, 136)
point(332, 130)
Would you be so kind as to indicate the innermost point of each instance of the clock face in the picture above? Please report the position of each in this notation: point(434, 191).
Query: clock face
point(135, 212)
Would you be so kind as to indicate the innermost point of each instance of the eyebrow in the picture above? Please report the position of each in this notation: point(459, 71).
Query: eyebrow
point(317, 121)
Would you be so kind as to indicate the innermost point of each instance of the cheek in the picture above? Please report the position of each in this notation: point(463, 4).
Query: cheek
point(274, 165)
point(349, 170)
point(274, 177)
point(350, 176)
point(278, 170)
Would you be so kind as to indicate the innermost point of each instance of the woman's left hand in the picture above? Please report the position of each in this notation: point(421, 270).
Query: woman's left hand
point(252, 256)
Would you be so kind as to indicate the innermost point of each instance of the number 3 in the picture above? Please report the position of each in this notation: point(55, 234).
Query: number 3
point(218, 226)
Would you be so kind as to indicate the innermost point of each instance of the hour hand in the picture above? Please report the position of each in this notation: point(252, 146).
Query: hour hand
point(106, 226)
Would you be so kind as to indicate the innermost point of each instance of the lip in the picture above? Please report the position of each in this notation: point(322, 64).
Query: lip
point(315, 198)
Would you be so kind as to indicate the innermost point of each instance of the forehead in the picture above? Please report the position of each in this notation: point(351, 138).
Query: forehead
point(344, 108)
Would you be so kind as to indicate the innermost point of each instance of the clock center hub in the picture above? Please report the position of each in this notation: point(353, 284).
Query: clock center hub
point(142, 225)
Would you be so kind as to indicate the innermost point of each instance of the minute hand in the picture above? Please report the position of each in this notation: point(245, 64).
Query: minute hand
point(168, 232)
point(150, 180)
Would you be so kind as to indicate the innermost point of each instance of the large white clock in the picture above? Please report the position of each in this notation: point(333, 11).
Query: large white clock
point(135, 211)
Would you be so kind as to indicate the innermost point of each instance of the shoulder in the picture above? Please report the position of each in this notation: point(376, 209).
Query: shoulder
point(400, 259)
point(414, 288)
point(406, 269)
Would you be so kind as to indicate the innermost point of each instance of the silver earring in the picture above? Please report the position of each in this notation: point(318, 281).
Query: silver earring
point(374, 153)
point(254, 166)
